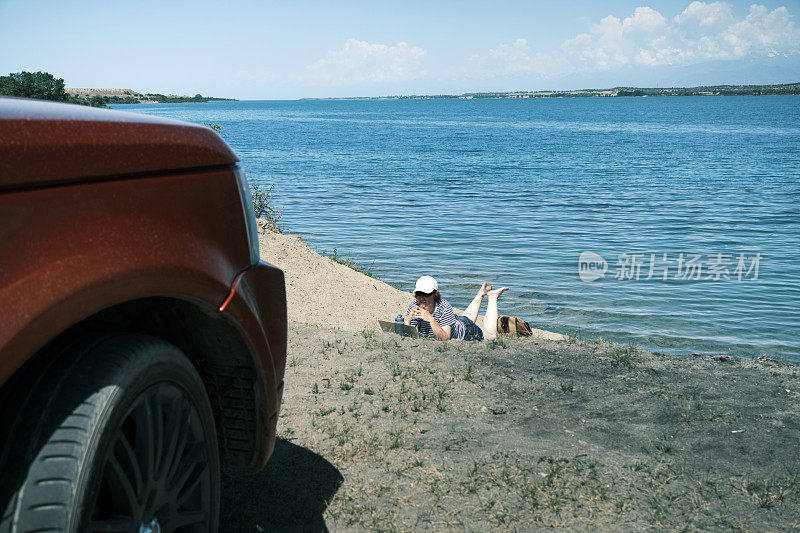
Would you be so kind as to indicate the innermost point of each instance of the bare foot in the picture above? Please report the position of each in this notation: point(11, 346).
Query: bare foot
point(485, 288)
point(497, 292)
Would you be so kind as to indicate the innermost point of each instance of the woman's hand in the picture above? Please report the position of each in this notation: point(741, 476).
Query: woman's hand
point(421, 313)
point(441, 333)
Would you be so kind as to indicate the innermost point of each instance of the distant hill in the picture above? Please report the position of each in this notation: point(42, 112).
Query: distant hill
point(127, 96)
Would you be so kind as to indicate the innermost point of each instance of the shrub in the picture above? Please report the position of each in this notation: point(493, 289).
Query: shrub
point(349, 262)
point(262, 203)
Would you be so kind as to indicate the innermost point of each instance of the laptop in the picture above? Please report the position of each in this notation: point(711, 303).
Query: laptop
point(408, 331)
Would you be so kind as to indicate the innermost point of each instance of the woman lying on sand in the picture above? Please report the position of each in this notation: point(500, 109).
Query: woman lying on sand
point(433, 316)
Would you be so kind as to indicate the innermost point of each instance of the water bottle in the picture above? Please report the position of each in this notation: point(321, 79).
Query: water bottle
point(398, 324)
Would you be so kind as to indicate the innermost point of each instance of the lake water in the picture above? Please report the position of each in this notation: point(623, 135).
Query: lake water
point(693, 203)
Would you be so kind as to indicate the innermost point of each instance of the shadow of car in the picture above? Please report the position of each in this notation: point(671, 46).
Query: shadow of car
point(250, 501)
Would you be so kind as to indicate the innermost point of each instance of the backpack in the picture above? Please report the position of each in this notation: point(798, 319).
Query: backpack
point(513, 326)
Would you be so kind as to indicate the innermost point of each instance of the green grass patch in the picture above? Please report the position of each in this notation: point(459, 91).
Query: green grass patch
point(350, 263)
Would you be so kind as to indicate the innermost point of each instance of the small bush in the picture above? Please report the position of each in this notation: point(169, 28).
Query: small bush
point(624, 355)
point(262, 203)
point(499, 342)
point(350, 263)
point(216, 127)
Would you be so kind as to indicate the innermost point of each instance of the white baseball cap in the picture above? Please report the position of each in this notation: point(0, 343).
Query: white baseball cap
point(426, 284)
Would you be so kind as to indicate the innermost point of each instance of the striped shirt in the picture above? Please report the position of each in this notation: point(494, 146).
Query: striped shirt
point(444, 315)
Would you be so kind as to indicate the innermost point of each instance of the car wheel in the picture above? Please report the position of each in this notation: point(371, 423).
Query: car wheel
point(117, 435)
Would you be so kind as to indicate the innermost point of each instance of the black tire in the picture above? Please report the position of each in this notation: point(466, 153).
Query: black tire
point(116, 434)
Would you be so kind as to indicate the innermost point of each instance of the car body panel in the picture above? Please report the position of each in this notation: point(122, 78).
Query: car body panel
point(45, 143)
point(260, 292)
point(102, 210)
point(88, 255)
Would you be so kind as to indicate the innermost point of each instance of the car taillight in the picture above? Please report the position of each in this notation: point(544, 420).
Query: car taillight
point(249, 214)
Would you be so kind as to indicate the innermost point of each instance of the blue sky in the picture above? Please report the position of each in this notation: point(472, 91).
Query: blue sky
point(281, 50)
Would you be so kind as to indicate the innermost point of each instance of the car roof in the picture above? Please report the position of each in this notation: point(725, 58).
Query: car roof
point(45, 143)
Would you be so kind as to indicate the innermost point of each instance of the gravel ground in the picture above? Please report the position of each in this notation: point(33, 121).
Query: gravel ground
point(384, 433)
point(379, 432)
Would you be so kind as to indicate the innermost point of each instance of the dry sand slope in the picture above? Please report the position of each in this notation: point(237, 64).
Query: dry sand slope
point(322, 292)
point(383, 433)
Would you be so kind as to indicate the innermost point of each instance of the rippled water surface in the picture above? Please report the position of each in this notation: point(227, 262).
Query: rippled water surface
point(704, 191)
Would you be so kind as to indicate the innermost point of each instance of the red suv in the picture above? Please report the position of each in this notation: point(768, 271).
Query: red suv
point(142, 341)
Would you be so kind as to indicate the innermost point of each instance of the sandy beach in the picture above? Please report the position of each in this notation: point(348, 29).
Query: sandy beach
point(379, 432)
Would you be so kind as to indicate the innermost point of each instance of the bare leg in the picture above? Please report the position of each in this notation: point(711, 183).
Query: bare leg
point(490, 319)
point(474, 307)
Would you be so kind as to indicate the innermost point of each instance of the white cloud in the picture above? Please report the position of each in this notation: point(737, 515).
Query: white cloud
point(702, 32)
point(360, 61)
point(513, 59)
point(714, 16)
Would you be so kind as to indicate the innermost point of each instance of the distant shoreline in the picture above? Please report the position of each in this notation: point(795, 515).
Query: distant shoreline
point(704, 90)
point(127, 96)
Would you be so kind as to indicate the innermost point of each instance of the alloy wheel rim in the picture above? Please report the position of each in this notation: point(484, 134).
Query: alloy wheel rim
point(156, 477)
